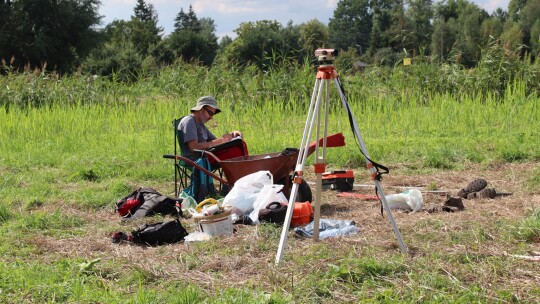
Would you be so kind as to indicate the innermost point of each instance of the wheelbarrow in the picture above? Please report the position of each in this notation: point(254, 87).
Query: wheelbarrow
point(280, 165)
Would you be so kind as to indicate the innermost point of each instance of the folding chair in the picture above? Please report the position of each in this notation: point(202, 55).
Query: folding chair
point(182, 170)
point(183, 166)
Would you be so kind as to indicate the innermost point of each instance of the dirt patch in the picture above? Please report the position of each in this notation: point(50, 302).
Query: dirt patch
point(247, 258)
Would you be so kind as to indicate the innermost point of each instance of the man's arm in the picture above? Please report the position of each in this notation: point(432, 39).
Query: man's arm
point(194, 145)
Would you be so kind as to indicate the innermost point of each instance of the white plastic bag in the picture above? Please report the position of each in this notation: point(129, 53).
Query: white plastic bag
point(269, 194)
point(245, 191)
point(187, 201)
point(409, 200)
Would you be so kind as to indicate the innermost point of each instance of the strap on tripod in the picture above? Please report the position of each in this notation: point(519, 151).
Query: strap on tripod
point(379, 169)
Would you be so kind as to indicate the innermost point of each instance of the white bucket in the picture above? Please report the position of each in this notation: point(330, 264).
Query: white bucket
point(218, 224)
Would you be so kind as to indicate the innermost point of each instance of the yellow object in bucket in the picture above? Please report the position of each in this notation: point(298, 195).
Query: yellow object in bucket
point(214, 224)
point(208, 201)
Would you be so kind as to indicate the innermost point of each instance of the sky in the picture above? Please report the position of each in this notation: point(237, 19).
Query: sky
point(229, 14)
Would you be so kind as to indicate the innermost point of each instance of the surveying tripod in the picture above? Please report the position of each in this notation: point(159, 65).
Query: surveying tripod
point(326, 73)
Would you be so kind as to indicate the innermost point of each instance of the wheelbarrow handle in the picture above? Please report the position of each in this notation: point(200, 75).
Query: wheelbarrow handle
point(193, 164)
point(334, 140)
point(210, 154)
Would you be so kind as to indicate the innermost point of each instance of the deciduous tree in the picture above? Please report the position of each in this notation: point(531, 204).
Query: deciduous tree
point(313, 35)
point(419, 15)
point(468, 36)
point(257, 42)
point(535, 39)
point(351, 25)
point(512, 35)
point(491, 28)
point(443, 37)
point(515, 7)
point(528, 17)
point(391, 31)
point(52, 34)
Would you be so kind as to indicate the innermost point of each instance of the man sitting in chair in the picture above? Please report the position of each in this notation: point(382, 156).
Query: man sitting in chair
point(192, 132)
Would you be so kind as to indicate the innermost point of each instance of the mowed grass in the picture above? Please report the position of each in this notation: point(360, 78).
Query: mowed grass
point(64, 164)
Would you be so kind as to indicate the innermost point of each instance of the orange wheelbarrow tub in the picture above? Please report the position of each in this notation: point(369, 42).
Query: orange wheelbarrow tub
point(280, 164)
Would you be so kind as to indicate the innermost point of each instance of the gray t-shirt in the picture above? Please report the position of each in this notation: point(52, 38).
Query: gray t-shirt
point(189, 129)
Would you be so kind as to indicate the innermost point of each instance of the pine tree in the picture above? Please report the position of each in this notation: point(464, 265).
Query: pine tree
point(187, 21)
point(145, 31)
point(143, 11)
point(193, 38)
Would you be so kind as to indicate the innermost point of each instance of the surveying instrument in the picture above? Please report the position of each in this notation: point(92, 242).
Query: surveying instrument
point(315, 119)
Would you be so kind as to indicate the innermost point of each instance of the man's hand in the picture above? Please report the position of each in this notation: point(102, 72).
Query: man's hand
point(225, 138)
point(231, 135)
point(236, 134)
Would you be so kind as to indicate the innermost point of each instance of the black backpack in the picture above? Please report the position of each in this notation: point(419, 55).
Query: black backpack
point(159, 233)
point(147, 201)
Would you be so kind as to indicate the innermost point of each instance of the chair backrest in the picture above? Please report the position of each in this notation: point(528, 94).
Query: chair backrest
point(177, 139)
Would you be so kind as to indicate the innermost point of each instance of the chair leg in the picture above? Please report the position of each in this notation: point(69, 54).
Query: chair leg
point(181, 179)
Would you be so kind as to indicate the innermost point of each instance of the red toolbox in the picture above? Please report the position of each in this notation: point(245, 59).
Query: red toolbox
point(341, 180)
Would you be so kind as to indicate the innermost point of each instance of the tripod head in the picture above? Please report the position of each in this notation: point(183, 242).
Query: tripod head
point(326, 56)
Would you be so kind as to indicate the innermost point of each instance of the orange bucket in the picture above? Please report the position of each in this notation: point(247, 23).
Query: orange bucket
point(302, 214)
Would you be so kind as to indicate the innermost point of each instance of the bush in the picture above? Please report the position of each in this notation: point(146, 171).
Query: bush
point(121, 61)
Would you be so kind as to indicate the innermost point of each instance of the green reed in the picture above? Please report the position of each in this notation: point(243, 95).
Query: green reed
point(109, 134)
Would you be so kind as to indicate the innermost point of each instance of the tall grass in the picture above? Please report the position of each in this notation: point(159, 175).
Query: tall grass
point(107, 134)
point(497, 71)
point(111, 146)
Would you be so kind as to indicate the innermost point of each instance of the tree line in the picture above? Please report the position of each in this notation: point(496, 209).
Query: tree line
point(65, 36)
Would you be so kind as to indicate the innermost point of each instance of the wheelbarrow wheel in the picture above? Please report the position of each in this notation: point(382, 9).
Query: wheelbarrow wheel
point(304, 191)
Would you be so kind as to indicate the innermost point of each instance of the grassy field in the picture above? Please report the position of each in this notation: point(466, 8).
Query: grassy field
point(70, 147)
